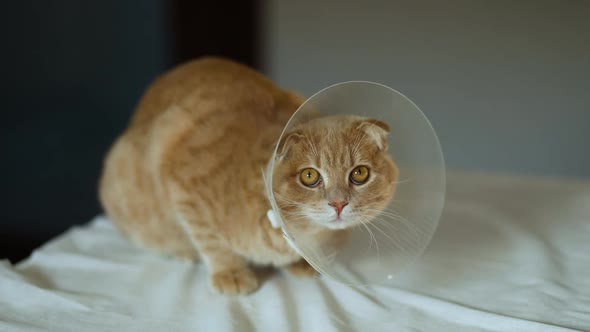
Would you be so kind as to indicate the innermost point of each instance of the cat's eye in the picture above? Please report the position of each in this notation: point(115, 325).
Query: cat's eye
point(309, 177)
point(359, 175)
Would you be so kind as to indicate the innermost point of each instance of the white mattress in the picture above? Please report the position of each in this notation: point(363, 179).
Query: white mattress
point(511, 254)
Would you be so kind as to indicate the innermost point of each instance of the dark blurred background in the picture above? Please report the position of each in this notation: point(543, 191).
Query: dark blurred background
point(72, 72)
point(506, 84)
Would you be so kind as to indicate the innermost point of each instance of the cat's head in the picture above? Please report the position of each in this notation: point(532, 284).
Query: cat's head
point(334, 172)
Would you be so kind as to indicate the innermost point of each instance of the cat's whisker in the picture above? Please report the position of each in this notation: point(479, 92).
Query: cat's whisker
point(313, 148)
point(387, 217)
point(413, 233)
point(372, 238)
point(371, 224)
point(401, 181)
point(296, 212)
point(298, 219)
point(360, 226)
point(400, 219)
point(356, 147)
point(413, 229)
point(288, 204)
point(408, 224)
point(288, 200)
point(358, 143)
point(392, 215)
point(395, 242)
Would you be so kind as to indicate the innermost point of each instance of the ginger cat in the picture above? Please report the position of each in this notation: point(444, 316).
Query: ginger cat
point(185, 178)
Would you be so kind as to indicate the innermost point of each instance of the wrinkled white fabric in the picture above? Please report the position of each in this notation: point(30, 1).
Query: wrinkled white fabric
point(510, 254)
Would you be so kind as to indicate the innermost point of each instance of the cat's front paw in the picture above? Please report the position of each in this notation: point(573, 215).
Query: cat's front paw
point(301, 268)
point(234, 282)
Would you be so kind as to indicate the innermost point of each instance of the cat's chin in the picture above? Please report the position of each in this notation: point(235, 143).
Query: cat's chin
point(337, 224)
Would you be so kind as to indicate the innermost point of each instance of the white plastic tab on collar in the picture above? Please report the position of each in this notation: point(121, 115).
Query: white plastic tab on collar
point(272, 218)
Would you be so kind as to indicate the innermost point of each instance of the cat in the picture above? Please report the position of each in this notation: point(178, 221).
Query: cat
point(185, 177)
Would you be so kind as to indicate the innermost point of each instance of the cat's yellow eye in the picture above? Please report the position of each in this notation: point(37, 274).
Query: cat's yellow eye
point(359, 175)
point(309, 177)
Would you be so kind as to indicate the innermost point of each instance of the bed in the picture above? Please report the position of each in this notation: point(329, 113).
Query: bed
point(510, 254)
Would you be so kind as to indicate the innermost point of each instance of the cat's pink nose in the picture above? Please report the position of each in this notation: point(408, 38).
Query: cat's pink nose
point(338, 206)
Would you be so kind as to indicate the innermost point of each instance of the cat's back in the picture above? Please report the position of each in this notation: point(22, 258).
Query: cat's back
point(208, 84)
point(200, 135)
point(211, 111)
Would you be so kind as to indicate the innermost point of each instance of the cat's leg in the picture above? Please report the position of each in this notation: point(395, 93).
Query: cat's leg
point(301, 268)
point(229, 273)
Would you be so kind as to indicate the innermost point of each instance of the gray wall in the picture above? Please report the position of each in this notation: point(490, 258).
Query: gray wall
point(506, 84)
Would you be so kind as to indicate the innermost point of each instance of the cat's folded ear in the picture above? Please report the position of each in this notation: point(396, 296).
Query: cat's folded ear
point(288, 140)
point(376, 130)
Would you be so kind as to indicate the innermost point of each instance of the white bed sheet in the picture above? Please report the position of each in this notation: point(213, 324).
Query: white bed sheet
point(510, 254)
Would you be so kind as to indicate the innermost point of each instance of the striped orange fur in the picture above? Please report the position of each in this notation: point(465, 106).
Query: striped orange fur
point(185, 177)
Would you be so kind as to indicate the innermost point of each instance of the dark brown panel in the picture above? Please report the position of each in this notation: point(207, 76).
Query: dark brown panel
point(201, 28)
